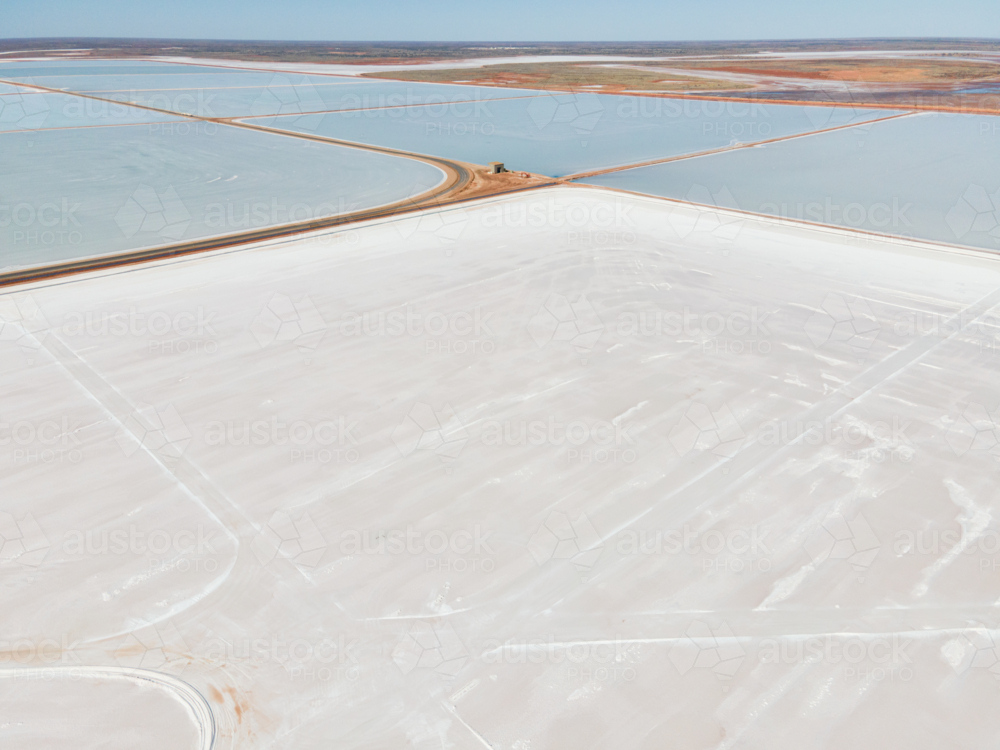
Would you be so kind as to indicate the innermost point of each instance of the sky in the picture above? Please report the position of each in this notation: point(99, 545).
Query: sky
point(500, 20)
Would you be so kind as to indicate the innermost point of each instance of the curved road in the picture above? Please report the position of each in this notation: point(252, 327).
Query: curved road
point(457, 176)
point(187, 694)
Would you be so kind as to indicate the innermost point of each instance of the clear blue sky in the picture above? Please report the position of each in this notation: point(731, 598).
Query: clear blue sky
point(511, 20)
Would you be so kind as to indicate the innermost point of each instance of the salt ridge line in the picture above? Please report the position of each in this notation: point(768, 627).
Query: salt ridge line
point(387, 106)
point(734, 147)
point(740, 213)
point(752, 459)
point(90, 127)
point(187, 476)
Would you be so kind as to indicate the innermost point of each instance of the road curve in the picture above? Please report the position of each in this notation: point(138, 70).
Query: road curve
point(457, 176)
point(193, 699)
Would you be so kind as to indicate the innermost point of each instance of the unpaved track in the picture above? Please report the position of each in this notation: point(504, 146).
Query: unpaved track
point(457, 176)
point(463, 182)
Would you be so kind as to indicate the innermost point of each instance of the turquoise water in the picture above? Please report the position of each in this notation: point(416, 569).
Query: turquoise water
point(560, 135)
point(932, 176)
point(90, 192)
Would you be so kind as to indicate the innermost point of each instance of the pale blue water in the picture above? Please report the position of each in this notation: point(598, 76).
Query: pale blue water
point(31, 111)
point(240, 93)
point(932, 176)
point(982, 88)
point(560, 135)
point(91, 192)
point(103, 67)
point(278, 98)
point(101, 83)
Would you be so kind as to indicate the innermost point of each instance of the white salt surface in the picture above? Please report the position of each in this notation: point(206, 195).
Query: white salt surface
point(766, 521)
point(81, 709)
